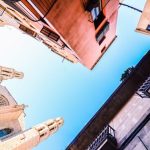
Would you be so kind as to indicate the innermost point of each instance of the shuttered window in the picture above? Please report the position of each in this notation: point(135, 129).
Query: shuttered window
point(50, 34)
point(27, 30)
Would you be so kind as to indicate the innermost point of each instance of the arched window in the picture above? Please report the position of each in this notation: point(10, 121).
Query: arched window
point(3, 101)
point(5, 132)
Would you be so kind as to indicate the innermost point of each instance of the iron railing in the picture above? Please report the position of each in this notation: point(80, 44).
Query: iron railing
point(144, 90)
point(107, 133)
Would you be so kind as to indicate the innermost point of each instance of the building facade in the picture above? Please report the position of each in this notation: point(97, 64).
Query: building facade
point(144, 22)
point(13, 135)
point(78, 30)
point(123, 122)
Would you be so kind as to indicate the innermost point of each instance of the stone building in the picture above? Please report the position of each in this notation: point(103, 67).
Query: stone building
point(78, 30)
point(13, 135)
point(123, 122)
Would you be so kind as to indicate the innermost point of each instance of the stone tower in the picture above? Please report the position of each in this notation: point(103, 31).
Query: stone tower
point(13, 135)
point(9, 73)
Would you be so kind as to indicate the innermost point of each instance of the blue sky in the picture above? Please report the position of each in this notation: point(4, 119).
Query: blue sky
point(54, 88)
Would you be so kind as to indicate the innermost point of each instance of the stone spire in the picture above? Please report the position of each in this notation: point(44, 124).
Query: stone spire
point(32, 137)
point(9, 73)
point(13, 136)
point(49, 127)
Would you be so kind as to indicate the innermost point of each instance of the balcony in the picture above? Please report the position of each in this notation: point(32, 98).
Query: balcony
point(144, 90)
point(105, 140)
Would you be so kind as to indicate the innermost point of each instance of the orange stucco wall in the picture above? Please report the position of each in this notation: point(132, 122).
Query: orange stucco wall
point(71, 20)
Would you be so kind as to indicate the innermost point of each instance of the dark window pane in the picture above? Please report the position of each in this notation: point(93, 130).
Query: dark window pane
point(90, 4)
point(102, 32)
point(102, 39)
point(5, 132)
point(99, 19)
point(148, 28)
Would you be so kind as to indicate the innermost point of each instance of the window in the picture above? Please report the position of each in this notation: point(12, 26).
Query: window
point(148, 28)
point(41, 128)
point(50, 124)
point(97, 16)
point(52, 129)
point(50, 34)
point(3, 101)
point(103, 49)
point(101, 41)
point(95, 13)
point(90, 4)
point(5, 132)
point(101, 34)
point(42, 134)
point(27, 30)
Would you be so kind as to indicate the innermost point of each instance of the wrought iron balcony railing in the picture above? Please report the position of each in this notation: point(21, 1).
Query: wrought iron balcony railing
point(144, 90)
point(108, 134)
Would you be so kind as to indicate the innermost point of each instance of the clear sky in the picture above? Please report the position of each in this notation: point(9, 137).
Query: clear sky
point(54, 88)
